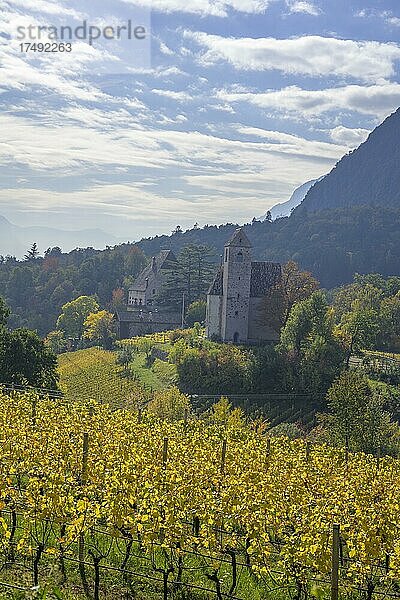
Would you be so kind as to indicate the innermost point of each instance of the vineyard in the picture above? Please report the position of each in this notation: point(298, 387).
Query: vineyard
point(93, 373)
point(99, 503)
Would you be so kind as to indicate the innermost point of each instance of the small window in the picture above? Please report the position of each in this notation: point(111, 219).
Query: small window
point(238, 296)
point(239, 256)
point(226, 254)
point(154, 291)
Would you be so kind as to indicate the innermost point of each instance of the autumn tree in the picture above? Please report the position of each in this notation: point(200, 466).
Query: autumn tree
point(100, 328)
point(118, 299)
point(294, 286)
point(74, 314)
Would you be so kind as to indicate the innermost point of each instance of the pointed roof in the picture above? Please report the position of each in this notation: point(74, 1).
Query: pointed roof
point(161, 261)
point(239, 239)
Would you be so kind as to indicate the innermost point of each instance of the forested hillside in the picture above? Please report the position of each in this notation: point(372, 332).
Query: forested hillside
point(369, 175)
point(332, 244)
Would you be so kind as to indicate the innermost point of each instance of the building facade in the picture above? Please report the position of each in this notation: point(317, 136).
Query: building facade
point(235, 298)
point(141, 315)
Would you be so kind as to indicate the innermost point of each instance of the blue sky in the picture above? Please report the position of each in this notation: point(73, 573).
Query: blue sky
point(238, 103)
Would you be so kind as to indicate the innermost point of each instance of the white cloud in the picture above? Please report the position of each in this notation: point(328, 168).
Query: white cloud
point(385, 15)
point(178, 96)
point(375, 100)
point(46, 7)
point(294, 144)
point(214, 8)
point(164, 49)
point(304, 7)
point(227, 169)
point(19, 74)
point(349, 137)
point(308, 55)
point(394, 21)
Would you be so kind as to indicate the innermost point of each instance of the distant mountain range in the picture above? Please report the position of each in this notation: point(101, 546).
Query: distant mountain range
point(16, 240)
point(285, 208)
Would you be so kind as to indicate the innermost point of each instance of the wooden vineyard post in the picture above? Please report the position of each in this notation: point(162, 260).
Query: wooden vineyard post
point(223, 456)
point(85, 455)
point(378, 459)
point(335, 563)
point(165, 452)
point(81, 540)
point(308, 451)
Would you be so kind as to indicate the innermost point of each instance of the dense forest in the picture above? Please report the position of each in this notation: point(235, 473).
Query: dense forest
point(332, 244)
point(37, 287)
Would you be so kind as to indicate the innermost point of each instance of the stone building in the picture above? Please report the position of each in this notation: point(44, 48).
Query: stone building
point(235, 298)
point(142, 315)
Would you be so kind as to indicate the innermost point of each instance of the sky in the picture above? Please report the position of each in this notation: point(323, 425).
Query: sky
point(218, 114)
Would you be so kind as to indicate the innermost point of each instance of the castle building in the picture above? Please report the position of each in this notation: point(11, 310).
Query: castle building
point(142, 316)
point(235, 298)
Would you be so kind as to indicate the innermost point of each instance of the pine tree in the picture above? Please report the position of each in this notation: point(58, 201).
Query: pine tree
point(32, 253)
point(189, 276)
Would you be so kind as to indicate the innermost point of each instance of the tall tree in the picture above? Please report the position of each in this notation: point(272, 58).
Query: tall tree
point(74, 314)
point(295, 285)
point(358, 417)
point(189, 277)
point(313, 352)
point(4, 312)
point(25, 359)
point(361, 324)
point(33, 252)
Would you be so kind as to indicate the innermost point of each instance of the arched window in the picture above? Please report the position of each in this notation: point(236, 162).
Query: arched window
point(236, 337)
point(239, 256)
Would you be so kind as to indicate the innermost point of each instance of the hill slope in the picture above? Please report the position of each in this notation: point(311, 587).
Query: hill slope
point(369, 175)
point(92, 374)
point(333, 244)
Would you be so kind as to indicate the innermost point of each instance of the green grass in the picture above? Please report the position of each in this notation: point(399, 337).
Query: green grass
point(159, 376)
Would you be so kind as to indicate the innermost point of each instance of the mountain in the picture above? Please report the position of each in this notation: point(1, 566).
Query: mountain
point(285, 208)
point(369, 175)
point(16, 240)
